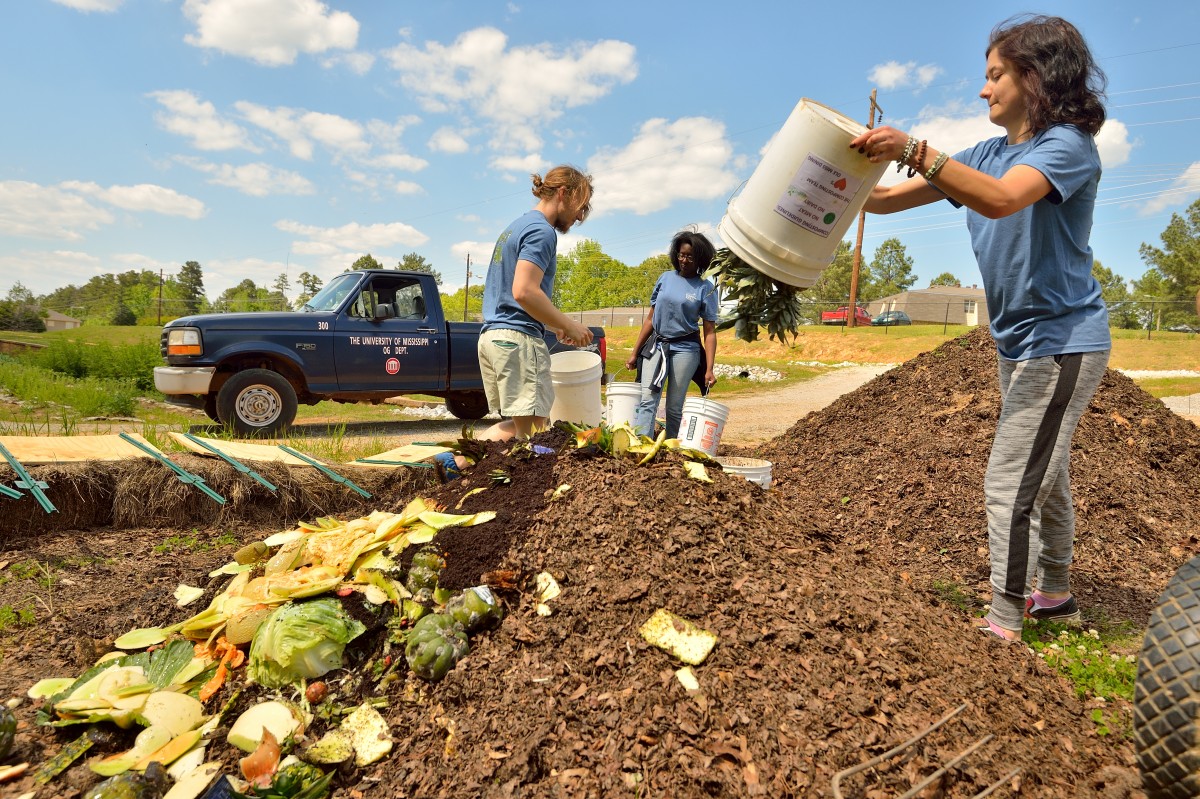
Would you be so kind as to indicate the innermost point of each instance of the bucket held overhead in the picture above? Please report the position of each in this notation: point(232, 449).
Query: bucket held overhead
point(804, 194)
point(785, 227)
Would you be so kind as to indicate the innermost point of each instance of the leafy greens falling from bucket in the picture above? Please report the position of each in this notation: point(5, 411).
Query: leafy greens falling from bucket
point(761, 300)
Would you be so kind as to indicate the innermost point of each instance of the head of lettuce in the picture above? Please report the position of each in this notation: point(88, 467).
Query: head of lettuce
point(301, 640)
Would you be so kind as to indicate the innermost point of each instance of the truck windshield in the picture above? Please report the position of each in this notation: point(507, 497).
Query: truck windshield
point(330, 297)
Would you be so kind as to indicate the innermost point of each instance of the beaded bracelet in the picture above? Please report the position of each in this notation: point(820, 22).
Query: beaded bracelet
point(938, 163)
point(916, 167)
point(909, 147)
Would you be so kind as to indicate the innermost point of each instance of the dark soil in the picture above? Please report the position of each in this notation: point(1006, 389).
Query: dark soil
point(839, 636)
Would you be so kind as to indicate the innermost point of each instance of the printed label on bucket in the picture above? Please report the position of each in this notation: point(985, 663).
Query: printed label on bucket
point(817, 196)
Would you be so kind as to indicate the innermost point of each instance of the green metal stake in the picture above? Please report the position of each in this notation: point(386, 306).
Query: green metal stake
point(332, 475)
point(28, 483)
point(11, 493)
point(379, 462)
point(241, 467)
point(183, 474)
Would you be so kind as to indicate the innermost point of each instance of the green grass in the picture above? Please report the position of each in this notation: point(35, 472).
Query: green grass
point(1100, 664)
point(1171, 386)
point(955, 595)
point(12, 618)
point(87, 396)
point(193, 543)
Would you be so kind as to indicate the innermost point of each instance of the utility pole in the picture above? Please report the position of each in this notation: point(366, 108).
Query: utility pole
point(467, 288)
point(160, 284)
point(851, 310)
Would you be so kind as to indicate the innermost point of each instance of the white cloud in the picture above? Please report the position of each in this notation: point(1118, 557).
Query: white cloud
point(409, 163)
point(407, 187)
point(358, 63)
point(188, 116)
point(269, 32)
point(480, 252)
point(142, 197)
point(950, 129)
point(43, 271)
point(687, 159)
point(525, 164)
point(1182, 191)
point(448, 140)
point(220, 275)
point(302, 130)
point(91, 5)
point(518, 91)
point(33, 210)
point(894, 75)
point(1114, 144)
point(256, 179)
point(353, 236)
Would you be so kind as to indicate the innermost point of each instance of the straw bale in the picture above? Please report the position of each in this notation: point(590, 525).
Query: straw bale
point(142, 493)
point(82, 493)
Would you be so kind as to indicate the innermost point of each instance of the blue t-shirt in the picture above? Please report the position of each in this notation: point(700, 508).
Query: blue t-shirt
point(530, 238)
point(1037, 263)
point(679, 303)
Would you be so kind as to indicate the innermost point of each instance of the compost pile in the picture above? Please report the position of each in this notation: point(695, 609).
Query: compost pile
point(835, 643)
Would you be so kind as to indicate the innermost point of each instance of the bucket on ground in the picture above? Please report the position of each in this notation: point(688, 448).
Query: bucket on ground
point(576, 377)
point(620, 403)
point(799, 203)
point(702, 423)
point(753, 469)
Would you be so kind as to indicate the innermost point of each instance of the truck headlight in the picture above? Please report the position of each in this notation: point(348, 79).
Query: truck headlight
point(184, 341)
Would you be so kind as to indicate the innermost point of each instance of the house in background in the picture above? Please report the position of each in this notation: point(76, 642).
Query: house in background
point(57, 321)
point(937, 305)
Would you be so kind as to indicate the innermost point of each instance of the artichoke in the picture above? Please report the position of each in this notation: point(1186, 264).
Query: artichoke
point(475, 608)
point(8, 730)
point(132, 785)
point(423, 572)
point(434, 646)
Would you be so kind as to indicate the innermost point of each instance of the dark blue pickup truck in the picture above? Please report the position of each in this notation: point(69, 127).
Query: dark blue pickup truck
point(366, 336)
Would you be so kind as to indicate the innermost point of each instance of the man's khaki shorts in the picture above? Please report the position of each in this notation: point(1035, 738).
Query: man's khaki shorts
point(516, 373)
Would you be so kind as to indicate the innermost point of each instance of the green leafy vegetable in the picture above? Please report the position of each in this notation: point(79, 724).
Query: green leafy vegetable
point(301, 640)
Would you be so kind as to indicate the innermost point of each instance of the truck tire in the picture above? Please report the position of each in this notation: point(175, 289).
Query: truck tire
point(468, 404)
point(210, 407)
point(1166, 699)
point(257, 402)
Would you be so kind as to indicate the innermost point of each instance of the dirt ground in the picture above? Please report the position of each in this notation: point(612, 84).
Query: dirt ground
point(834, 642)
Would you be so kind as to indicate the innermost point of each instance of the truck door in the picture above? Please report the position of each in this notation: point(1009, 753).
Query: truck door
point(391, 337)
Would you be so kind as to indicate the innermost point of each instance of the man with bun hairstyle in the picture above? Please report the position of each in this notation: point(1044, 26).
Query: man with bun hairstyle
point(513, 356)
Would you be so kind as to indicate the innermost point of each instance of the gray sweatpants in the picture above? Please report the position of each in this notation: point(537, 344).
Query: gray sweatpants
point(1027, 490)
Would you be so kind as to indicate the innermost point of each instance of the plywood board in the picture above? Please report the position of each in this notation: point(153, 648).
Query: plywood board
point(409, 453)
point(35, 450)
point(240, 451)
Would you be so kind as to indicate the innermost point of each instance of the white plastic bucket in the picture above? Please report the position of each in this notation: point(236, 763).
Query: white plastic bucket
point(620, 403)
point(802, 197)
point(576, 378)
point(753, 469)
point(702, 423)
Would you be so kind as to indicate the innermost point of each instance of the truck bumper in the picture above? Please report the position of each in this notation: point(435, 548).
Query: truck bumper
point(183, 379)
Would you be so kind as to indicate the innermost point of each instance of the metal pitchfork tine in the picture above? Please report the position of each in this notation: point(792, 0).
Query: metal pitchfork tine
point(837, 778)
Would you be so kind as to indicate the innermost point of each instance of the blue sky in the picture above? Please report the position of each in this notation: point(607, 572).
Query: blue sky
point(263, 136)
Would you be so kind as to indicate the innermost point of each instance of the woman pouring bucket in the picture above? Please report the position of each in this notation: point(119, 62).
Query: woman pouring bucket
point(677, 344)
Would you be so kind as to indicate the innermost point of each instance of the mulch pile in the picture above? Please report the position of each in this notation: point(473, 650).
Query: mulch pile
point(835, 643)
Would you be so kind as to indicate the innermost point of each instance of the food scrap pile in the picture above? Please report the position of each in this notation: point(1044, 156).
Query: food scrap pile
point(833, 635)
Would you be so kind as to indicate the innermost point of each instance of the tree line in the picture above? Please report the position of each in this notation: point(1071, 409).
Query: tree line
point(588, 278)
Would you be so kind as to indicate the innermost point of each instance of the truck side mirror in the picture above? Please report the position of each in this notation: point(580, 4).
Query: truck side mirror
point(383, 310)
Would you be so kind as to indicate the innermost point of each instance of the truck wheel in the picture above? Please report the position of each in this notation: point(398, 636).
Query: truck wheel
point(257, 401)
point(468, 405)
point(210, 407)
point(1166, 700)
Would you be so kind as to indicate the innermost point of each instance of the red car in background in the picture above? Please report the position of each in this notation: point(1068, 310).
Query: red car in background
point(838, 317)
